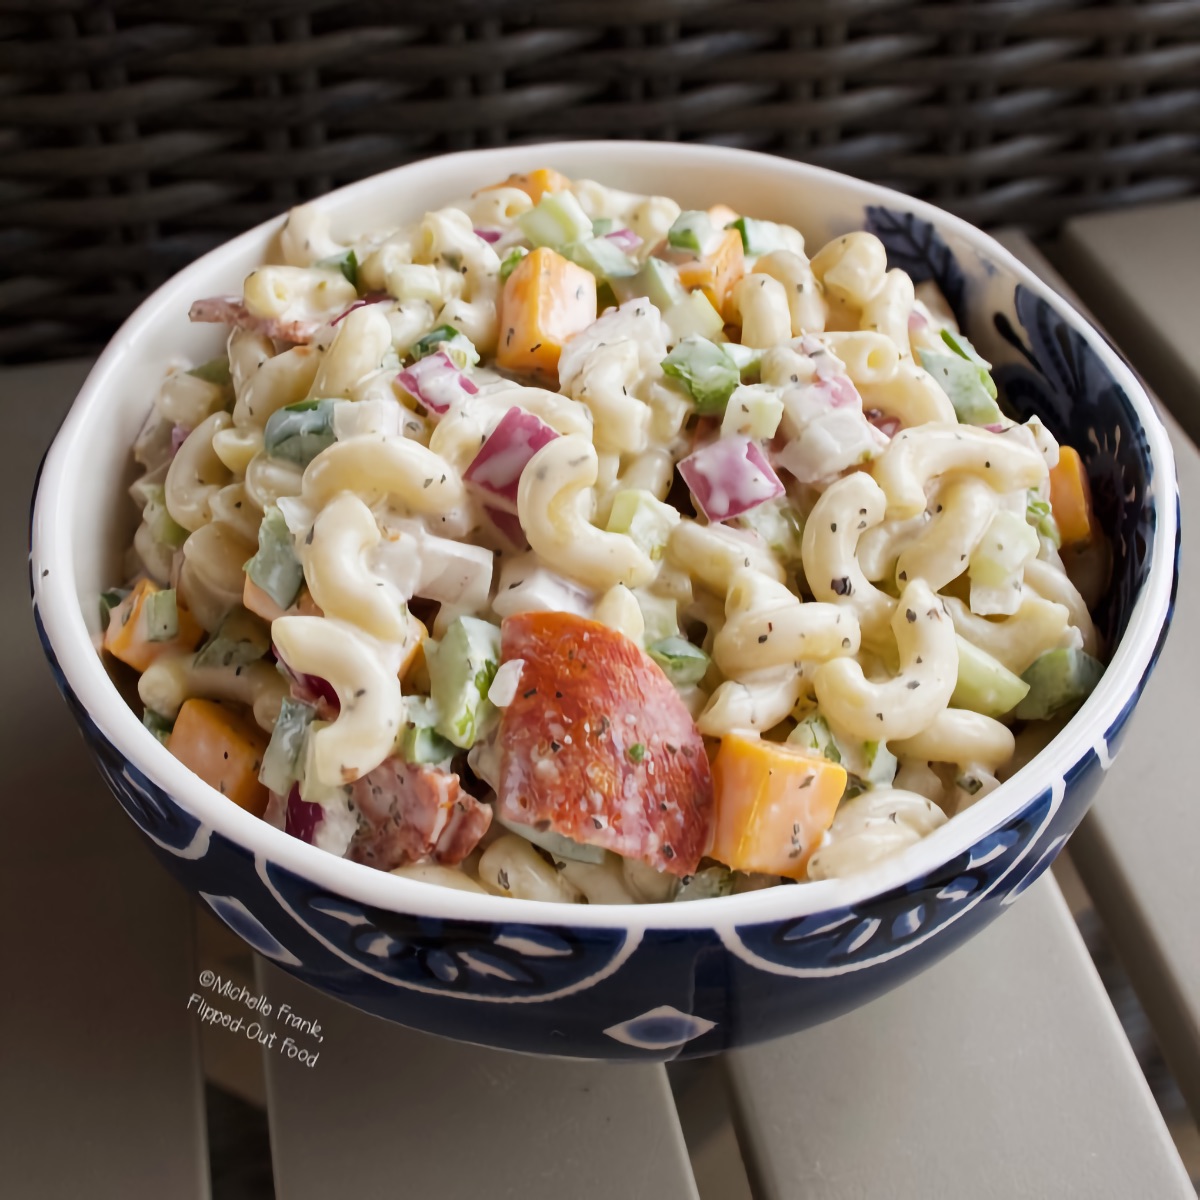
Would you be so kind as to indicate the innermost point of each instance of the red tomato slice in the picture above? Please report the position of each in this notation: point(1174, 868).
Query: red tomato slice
point(597, 745)
point(410, 812)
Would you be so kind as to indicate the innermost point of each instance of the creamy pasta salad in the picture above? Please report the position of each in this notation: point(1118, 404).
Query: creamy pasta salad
point(570, 546)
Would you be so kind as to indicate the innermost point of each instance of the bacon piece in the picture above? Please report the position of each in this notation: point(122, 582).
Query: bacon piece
point(230, 310)
point(411, 812)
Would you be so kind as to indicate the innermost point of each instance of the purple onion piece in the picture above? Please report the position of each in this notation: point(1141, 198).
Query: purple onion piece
point(496, 469)
point(436, 382)
point(489, 235)
point(729, 477)
point(302, 817)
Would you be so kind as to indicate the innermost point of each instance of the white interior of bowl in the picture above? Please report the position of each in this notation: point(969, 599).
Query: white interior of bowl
point(83, 518)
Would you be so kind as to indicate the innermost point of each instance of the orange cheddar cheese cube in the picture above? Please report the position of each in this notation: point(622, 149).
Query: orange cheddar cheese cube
point(535, 184)
point(721, 215)
point(773, 803)
point(1071, 497)
point(715, 273)
point(127, 637)
point(224, 748)
point(546, 301)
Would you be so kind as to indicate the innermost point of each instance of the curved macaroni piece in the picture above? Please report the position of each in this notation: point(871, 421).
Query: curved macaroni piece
point(713, 554)
point(268, 480)
point(211, 579)
point(1038, 625)
point(264, 384)
point(650, 217)
point(879, 547)
point(828, 550)
point(911, 395)
point(940, 552)
point(752, 704)
point(872, 827)
point(357, 349)
point(852, 267)
point(916, 456)
point(889, 309)
point(376, 468)
point(186, 400)
point(902, 706)
point(869, 358)
point(496, 207)
point(1054, 584)
point(652, 471)
point(335, 568)
point(957, 735)
point(510, 866)
point(297, 293)
point(174, 678)
point(196, 474)
point(305, 238)
point(767, 626)
point(618, 609)
point(236, 447)
point(233, 506)
point(554, 500)
point(761, 303)
point(806, 306)
point(372, 708)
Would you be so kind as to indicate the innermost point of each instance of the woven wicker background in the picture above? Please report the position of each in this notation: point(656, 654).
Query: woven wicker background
point(135, 135)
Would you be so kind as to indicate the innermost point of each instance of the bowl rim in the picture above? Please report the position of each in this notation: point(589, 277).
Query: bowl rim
point(55, 592)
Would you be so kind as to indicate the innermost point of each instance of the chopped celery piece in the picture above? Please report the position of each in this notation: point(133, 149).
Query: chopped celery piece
point(1058, 680)
point(109, 600)
point(423, 744)
point(282, 760)
point(964, 349)
point(162, 616)
point(275, 567)
point(557, 220)
point(968, 385)
point(508, 264)
point(759, 237)
point(694, 315)
point(869, 765)
point(658, 281)
point(660, 614)
point(747, 358)
point(346, 262)
point(216, 370)
point(644, 518)
point(241, 639)
point(554, 843)
point(1007, 546)
point(780, 525)
point(602, 225)
point(813, 733)
point(682, 663)
point(984, 684)
point(299, 432)
point(1040, 515)
point(164, 529)
point(158, 725)
point(754, 410)
point(461, 669)
point(455, 344)
point(603, 258)
point(705, 884)
point(693, 230)
point(707, 373)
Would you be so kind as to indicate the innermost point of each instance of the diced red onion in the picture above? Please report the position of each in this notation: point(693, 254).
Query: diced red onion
point(889, 426)
point(624, 239)
point(729, 477)
point(489, 235)
point(311, 689)
point(179, 435)
point(436, 382)
point(302, 817)
point(496, 469)
point(917, 320)
point(508, 524)
point(362, 301)
point(996, 428)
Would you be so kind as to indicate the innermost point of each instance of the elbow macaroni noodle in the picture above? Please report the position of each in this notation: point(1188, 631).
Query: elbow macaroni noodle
point(844, 594)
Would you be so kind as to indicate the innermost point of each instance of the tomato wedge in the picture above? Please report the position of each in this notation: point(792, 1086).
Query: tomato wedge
point(596, 745)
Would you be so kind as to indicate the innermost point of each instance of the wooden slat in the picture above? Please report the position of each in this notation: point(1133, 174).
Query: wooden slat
point(101, 1088)
point(1138, 270)
point(1136, 850)
point(1001, 1072)
point(387, 1112)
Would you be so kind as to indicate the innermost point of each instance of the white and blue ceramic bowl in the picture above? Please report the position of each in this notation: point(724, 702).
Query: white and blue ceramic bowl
point(656, 981)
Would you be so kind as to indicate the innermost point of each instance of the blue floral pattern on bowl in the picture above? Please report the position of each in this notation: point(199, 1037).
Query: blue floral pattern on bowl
point(609, 992)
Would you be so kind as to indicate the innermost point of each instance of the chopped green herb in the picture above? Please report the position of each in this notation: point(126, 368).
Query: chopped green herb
point(509, 262)
point(216, 370)
point(346, 262)
point(636, 752)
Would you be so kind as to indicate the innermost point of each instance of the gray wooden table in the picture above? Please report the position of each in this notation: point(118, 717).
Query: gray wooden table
point(1002, 1072)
